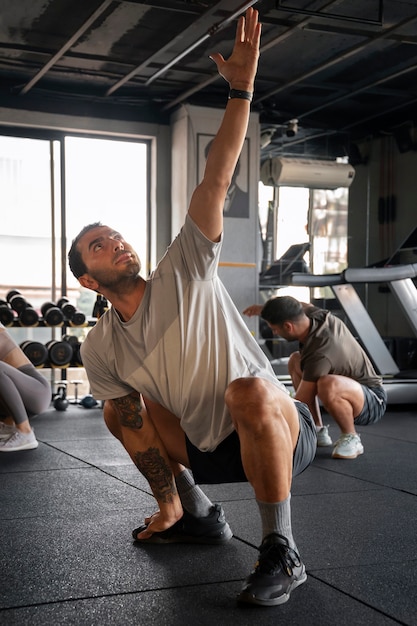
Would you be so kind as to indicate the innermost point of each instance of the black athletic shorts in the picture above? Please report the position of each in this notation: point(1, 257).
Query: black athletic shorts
point(224, 464)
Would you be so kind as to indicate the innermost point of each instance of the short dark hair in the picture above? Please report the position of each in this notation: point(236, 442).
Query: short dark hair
point(77, 265)
point(282, 309)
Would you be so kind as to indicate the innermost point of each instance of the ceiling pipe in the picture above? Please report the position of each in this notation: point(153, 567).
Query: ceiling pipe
point(272, 43)
point(189, 92)
point(214, 29)
point(341, 57)
point(279, 39)
point(68, 44)
point(348, 127)
point(397, 107)
point(335, 16)
point(354, 92)
point(157, 54)
point(354, 32)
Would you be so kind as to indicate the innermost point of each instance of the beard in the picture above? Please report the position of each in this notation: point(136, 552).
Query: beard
point(118, 280)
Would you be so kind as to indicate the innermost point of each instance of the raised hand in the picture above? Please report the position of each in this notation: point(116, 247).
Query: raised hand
point(240, 69)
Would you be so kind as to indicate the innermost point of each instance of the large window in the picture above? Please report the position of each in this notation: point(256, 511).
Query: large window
point(328, 234)
point(27, 197)
point(75, 179)
point(26, 203)
point(294, 215)
point(106, 181)
point(283, 215)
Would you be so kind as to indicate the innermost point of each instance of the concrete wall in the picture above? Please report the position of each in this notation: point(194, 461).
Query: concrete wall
point(192, 130)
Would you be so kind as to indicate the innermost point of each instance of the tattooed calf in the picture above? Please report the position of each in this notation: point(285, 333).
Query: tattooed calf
point(158, 474)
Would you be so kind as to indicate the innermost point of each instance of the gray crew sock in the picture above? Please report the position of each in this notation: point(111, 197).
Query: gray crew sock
point(276, 518)
point(193, 499)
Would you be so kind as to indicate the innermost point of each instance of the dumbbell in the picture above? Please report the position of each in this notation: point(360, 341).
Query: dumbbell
point(66, 307)
point(27, 315)
point(76, 345)
point(72, 339)
point(76, 359)
point(36, 352)
point(88, 401)
point(52, 315)
point(60, 401)
point(6, 313)
point(78, 319)
point(59, 353)
point(72, 314)
point(16, 300)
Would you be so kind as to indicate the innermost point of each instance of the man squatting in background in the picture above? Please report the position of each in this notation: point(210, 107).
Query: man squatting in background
point(331, 367)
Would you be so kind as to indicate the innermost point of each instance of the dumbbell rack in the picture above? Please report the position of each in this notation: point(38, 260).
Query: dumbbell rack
point(90, 322)
point(55, 352)
point(62, 380)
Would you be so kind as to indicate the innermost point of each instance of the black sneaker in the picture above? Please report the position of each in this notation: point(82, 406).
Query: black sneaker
point(277, 572)
point(212, 529)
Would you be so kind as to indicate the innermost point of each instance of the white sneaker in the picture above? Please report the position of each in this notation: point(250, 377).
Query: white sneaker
point(19, 441)
point(348, 446)
point(323, 437)
point(6, 430)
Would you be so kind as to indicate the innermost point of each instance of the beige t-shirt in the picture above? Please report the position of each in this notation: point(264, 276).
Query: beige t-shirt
point(183, 346)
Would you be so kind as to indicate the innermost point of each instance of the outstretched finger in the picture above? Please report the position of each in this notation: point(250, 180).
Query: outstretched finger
point(240, 30)
point(251, 24)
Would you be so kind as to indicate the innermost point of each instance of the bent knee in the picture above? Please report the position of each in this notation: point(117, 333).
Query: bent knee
point(294, 360)
point(243, 390)
point(249, 397)
point(332, 383)
point(332, 387)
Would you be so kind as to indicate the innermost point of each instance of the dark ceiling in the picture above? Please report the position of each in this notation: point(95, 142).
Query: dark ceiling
point(345, 69)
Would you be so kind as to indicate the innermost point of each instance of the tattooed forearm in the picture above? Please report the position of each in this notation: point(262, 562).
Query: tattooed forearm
point(157, 472)
point(129, 410)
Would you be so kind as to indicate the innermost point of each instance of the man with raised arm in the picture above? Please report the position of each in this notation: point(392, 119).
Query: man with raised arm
point(212, 401)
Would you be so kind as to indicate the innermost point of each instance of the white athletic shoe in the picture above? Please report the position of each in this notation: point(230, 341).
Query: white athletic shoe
point(348, 446)
point(323, 437)
point(19, 441)
point(6, 431)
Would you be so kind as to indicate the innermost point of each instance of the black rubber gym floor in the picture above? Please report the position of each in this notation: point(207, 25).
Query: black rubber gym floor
point(67, 558)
